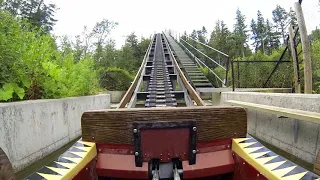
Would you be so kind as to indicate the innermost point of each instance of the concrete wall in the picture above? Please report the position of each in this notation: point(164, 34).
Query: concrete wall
point(30, 130)
point(280, 132)
point(116, 96)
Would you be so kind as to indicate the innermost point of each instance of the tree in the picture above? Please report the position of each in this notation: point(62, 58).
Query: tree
point(272, 38)
point(202, 35)
point(254, 36)
point(240, 35)
point(292, 18)
point(102, 30)
point(280, 18)
point(220, 39)
point(315, 35)
point(258, 32)
point(38, 13)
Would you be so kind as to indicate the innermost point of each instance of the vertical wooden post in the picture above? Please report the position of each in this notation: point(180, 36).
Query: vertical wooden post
point(294, 55)
point(305, 48)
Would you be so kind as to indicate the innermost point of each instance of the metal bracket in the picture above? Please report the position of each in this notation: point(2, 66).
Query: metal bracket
point(140, 126)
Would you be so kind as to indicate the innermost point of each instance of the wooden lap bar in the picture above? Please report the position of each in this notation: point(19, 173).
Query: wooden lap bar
point(116, 126)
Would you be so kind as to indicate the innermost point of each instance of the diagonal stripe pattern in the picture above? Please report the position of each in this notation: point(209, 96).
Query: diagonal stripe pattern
point(267, 162)
point(67, 165)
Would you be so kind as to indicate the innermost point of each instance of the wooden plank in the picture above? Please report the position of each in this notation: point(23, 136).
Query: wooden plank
point(126, 98)
point(192, 93)
point(317, 165)
point(291, 113)
point(305, 48)
point(115, 126)
point(294, 54)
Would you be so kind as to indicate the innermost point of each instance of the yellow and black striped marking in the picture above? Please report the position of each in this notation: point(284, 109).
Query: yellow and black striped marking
point(69, 164)
point(268, 163)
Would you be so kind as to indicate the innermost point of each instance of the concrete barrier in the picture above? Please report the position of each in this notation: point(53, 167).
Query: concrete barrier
point(296, 137)
point(116, 96)
point(30, 130)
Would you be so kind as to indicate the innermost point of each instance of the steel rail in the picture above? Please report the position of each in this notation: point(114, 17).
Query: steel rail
point(193, 94)
point(205, 55)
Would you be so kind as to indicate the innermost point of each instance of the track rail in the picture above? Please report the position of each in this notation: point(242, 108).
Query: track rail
point(157, 79)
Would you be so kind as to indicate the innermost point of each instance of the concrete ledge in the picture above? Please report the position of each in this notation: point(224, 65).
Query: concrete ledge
point(30, 130)
point(299, 138)
point(116, 96)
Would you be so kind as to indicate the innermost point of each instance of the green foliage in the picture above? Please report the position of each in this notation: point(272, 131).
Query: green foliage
point(316, 65)
point(254, 75)
point(36, 12)
point(115, 78)
point(31, 66)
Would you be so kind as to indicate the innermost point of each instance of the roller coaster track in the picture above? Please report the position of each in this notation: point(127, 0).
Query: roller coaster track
point(160, 82)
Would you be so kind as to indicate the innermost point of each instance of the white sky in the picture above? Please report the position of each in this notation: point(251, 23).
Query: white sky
point(144, 17)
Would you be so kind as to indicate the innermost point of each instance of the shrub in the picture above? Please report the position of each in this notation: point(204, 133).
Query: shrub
point(115, 78)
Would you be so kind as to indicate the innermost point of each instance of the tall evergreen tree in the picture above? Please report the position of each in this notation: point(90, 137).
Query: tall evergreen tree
point(258, 32)
point(202, 34)
point(254, 35)
point(220, 39)
point(38, 13)
point(240, 35)
point(280, 18)
point(272, 38)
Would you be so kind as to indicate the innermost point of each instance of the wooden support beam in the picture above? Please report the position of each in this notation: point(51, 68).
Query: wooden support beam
point(286, 112)
point(295, 61)
point(317, 165)
point(115, 126)
point(305, 48)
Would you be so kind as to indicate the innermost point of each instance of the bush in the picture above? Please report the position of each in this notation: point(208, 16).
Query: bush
point(115, 78)
point(31, 66)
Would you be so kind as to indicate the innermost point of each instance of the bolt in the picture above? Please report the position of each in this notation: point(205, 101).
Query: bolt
point(194, 128)
point(93, 138)
point(243, 163)
point(194, 151)
point(136, 153)
point(86, 169)
point(258, 175)
point(160, 159)
point(168, 154)
point(135, 130)
point(145, 154)
point(228, 146)
point(99, 150)
point(160, 154)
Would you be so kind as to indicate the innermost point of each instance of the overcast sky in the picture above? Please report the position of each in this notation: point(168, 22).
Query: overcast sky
point(144, 17)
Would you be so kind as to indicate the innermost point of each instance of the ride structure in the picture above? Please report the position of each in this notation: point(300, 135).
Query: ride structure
point(163, 130)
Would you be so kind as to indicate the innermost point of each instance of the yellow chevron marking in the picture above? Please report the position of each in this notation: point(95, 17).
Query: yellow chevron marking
point(59, 170)
point(295, 176)
point(273, 165)
point(256, 155)
point(87, 143)
point(250, 150)
point(75, 160)
point(240, 139)
point(243, 145)
point(83, 148)
point(68, 165)
point(265, 159)
point(284, 171)
point(81, 154)
point(50, 176)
